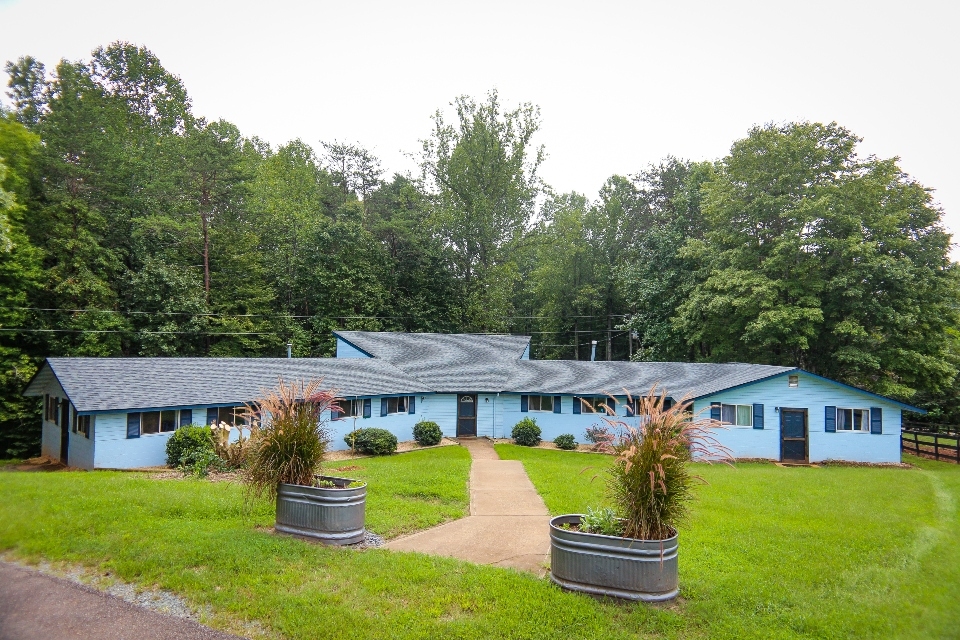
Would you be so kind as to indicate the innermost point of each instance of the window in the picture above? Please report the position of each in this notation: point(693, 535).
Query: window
point(740, 415)
point(394, 405)
point(52, 414)
point(793, 381)
point(233, 416)
point(350, 409)
point(83, 425)
point(853, 419)
point(541, 403)
point(158, 421)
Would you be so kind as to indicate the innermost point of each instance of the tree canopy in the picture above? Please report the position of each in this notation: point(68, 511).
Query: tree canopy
point(129, 226)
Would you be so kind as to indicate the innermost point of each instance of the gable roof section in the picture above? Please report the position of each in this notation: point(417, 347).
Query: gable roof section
point(446, 362)
point(112, 384)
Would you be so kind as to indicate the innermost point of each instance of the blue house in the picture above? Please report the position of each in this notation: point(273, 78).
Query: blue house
point(119, 412)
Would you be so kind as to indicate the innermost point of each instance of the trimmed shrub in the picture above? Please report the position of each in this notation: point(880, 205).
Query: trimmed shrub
point(566, 442)
point(427, 433)
point(377, 442)
point(193, 441)
point(526, 433)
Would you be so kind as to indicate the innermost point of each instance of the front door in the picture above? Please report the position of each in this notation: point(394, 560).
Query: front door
point(64, 430)
point(793, 435)
point(466, 416)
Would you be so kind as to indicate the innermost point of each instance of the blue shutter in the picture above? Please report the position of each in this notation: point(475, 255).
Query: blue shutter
point(830, 419)
point(133, 425)
point(758, 416)
point(524, 403)
point(715, 411)
point(413, 404)
point(556, 404)
point(383, 407)
point(876, 420)
point(367, 407)
point(186, 417)
point(212, 414)
point(577, 405)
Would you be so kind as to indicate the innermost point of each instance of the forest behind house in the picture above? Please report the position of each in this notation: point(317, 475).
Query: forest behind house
point(131, 227)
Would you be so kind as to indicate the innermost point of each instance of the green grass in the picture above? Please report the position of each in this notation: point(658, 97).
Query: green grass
point(412, 491)
point(801, 552)
point(768, 553)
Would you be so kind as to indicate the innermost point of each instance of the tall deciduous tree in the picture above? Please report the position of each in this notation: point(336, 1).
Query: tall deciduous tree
point(817, 258)
point(481, 174)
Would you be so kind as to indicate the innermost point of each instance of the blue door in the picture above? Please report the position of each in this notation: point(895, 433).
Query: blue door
point(793, 435)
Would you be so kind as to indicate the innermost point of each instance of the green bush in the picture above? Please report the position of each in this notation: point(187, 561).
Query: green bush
point(526, 433)
point(427, 433)
point(565, 442)
point(192, 441)
point(372, 441)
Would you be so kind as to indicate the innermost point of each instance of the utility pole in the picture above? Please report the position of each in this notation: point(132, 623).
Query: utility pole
point(609, 336)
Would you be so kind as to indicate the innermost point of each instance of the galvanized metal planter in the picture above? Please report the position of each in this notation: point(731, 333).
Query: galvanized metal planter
point(331, 515)
point(612, 566)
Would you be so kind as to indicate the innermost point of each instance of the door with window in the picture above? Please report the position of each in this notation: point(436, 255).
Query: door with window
point(793, 435)
point(466, 415)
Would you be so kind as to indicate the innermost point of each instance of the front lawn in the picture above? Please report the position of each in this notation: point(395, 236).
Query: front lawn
point(768, 553)
point(783, 552)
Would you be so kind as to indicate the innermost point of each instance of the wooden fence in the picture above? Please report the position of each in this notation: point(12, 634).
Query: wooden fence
point(938, 445)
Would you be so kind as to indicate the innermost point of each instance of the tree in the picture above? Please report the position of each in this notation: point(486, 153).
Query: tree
point(658, 277)
point(27, 89)
point(481, 176)
point(816, 258)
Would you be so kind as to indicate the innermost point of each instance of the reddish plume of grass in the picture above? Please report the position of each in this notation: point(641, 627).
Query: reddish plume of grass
point(289, 435)
point(651, 482)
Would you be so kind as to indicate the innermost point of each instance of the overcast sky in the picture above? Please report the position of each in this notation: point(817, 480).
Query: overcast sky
point(620, 84)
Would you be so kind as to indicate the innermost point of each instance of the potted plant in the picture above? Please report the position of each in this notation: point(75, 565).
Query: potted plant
point(630, 551)
point(289, 438)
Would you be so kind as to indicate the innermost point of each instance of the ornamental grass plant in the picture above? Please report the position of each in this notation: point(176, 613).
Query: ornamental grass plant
point(650, 482)
point(289, 435)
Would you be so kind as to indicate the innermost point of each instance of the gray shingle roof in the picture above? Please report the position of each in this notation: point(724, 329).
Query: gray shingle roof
point(446, 362)
point(402, 364)
point(103, 384)
point(636, 378)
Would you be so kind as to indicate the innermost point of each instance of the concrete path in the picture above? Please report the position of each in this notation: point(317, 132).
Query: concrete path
point(34, 606)
point(508, 525)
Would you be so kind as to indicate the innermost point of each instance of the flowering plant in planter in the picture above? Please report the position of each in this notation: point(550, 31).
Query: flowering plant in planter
point(651, 483)
point(289, 438)
point(289, 435)
point(630, 551)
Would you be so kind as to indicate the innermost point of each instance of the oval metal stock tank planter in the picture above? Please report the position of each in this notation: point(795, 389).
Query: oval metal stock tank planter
point(333, 515)
point(612, 566)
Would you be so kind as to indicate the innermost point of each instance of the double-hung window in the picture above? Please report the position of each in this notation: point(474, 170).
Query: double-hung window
point(541, 403)
point(394, 405)
point(739, 415)
point(350, 409)
point(82, 425)
point(853, 419)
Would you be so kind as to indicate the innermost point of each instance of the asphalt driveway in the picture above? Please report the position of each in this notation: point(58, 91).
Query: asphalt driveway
point(37, 606)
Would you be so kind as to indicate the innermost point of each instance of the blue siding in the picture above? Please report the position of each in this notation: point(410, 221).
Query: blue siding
point(526, 353)
point(551, 424)
point(347, 350)
point(812, 394)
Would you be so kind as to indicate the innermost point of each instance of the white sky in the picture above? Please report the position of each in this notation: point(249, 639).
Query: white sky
point(620, 84)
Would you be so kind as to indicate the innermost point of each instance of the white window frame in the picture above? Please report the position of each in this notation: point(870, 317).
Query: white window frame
point(393, 406)
point(793, 381)
point(349, 409)
point(540, 399)
point(736, 413)
point(160, 431)
point(864, 423)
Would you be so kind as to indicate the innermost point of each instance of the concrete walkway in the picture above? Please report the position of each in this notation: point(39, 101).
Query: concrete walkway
point(508, 525)
point(34, 606)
